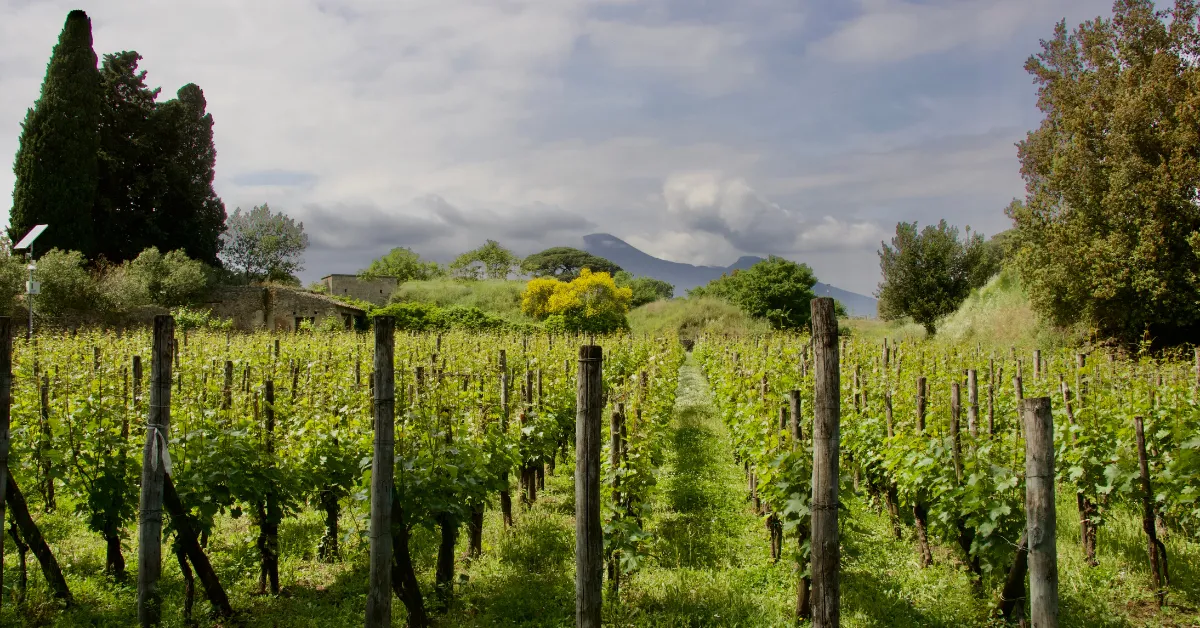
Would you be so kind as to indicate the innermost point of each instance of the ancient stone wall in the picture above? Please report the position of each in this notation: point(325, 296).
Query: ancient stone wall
point(376, 290)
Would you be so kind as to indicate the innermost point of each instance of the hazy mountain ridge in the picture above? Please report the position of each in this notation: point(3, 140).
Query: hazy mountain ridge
point(687, 276)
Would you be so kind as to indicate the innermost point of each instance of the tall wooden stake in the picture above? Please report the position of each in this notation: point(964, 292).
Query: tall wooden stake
point(826, 441)
point(589, 536)
point(154, 461)
point(1156, 551)
point(379, 591)
point(1039, 508)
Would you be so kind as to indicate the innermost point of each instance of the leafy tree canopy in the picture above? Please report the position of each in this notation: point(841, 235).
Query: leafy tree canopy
point(564, 262)
point(490, 260)
point(645, 289)
point(264, 245)
point(776, 289)
point(403, 264)
point(928, 274)
point(591, 302)
point(55, 166)
point(1108, 234)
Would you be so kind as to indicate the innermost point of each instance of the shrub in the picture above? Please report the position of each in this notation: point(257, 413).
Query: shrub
point(67, 285)
point(592, 302)
point(189, 318)
point(411, 316)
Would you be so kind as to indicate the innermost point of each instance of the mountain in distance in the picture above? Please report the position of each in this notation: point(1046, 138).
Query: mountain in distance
point(687, 276)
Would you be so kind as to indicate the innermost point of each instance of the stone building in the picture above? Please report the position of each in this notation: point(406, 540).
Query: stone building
point(280, 309)
point(376, 290)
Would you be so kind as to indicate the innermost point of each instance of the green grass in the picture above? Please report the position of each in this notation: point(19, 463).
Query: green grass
point(692, 317)
point(497, 296)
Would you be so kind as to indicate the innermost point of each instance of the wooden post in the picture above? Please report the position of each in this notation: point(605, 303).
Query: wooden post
point(379, 592)
point(268, 542)
point(794, 415)
point(589, 536)
point(826, 442)
point(154, 461)
point(5, 419)
point(227, 393)
point(956, 445)
point(1155, 549)
point(991, 397)
point(614, 462)
point(973, 406)
point(1039, 508)
point(920, 404)
point(505, 495)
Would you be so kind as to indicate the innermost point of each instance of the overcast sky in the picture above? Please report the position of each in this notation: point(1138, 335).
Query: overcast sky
point(697, 130)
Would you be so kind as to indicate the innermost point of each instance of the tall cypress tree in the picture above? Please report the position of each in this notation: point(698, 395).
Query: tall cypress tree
point(55, 167)
point(188, 213)
point(126, 188)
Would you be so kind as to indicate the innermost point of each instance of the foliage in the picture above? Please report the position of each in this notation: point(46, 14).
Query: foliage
point(156, 166)
point(776, 289)
point(195, 318)
point(490, 260)
point(262, 244)
point(168, 280)
point(67, 284)
point(564, 263)
point(592, 302)
point(645, 289)
point(403, 264)
point(123, 213)
point(55, 168)
point(495, 296)
point(12, 276)
point(1107, 233)
point(692, 317)
point(186, 160)
point(928, 274)
point(429, 317)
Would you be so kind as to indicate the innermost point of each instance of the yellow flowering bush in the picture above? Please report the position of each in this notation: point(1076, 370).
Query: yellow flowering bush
point(590, 302)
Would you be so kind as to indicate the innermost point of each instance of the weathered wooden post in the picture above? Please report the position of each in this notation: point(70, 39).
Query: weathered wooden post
point(379, 592)
point(1156, 551)
point(1039, 509)
point(153, 473)
point(973, 406)
point(921, 404)
point(505, 496)
point(589, 536)
point(956, 443)
point(826, 441)
point(794, 416)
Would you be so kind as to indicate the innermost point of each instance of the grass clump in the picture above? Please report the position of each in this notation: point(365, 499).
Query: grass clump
point(690, 318)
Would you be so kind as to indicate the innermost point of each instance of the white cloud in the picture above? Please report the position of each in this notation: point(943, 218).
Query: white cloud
point(889, 31)
point(712, 58)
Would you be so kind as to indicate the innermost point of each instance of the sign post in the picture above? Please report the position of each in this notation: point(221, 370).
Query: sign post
point(31, 287)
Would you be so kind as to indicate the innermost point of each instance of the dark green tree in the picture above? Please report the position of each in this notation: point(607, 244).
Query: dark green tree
point(776, 289)
point(645, 289)
point(1108, 234)
point(564, 263)
point(187, 213)
point(928, 274)
point(55, 166)
point(124, 208)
